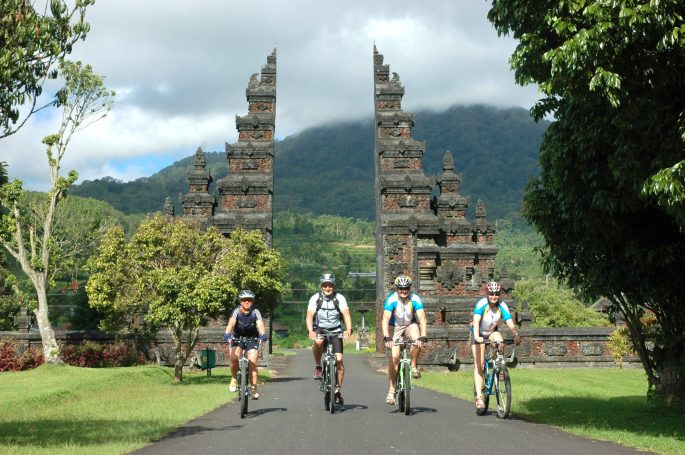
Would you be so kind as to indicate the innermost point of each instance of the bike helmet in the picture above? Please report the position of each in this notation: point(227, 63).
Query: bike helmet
point(327, 278)
point(403, 281)
point(492, 286)
point(246, 294)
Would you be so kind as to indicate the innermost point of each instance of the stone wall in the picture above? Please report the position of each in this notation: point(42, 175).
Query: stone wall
point(159, 350)
point(449, 347)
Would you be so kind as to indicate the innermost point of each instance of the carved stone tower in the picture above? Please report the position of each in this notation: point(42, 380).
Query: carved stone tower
point(428, 238)
point(246, 194)
point(198, 203)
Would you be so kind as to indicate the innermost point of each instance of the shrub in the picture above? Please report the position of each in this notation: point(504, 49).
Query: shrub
point(88, 354)
point(10, 360)
point(557, 307)
point(120, 354)
point(93, 355)
point(619, 346)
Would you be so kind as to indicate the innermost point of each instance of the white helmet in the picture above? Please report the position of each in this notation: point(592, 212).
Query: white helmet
point(492, 286)
point(246, 294)
point(327, 278)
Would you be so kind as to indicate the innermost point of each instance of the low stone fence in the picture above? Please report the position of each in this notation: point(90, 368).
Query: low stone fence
point(160, 349)
point(540, 347)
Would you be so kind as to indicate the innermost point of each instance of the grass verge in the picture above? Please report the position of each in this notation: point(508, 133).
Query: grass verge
point(605, 404)
point(68, 410)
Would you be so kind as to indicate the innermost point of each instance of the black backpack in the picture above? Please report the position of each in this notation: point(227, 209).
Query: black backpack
point(246, 325)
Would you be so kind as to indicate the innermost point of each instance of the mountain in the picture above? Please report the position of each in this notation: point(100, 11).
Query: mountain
point(329, 169)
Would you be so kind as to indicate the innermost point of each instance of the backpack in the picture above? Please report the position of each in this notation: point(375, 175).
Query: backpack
point(319, 302)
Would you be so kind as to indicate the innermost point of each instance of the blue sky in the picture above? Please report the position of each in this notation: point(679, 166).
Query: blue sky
point(180, 78)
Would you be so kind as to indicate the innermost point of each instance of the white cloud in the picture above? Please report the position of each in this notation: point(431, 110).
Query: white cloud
point(180, 70)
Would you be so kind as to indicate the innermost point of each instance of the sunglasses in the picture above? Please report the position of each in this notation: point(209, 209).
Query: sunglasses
point(493, 293)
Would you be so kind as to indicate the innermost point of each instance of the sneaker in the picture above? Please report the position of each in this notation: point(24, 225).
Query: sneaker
point(255, 395)
point(415, 373)
point(318, 372)
point(338, 398)
point(234, 385)
point(390, 399)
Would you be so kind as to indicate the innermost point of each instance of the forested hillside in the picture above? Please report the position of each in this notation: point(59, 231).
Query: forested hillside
point(329, 169)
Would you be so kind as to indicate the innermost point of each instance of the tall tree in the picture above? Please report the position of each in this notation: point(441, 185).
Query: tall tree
point(29, 238)
point(33, 42)
point(611, 75)
point(175, 275)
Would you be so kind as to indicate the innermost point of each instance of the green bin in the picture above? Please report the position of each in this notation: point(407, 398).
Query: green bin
point(207, 359)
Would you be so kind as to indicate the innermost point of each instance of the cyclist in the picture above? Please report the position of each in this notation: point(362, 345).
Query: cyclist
point(486, 315)
point(325, 312)
point(245, 321)
point(401, 311)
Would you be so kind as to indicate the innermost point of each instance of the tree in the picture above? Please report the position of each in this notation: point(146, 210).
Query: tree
point(29, 238)
point(611, 75)
point(32, 44)
point(175, 275)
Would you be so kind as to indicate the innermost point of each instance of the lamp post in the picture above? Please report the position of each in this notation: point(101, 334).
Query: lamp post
point(363, 331)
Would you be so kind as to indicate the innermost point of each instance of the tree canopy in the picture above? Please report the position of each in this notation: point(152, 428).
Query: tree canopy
point(611, 75)
point(175, 275)
point(33, 42)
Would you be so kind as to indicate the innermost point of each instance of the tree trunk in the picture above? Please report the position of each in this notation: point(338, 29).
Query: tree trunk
point(671, 385)
point(47, 335)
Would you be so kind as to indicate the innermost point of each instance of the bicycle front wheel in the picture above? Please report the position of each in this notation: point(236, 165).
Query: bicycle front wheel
point(243, 394)
point(503, 392)
point(407, 388)
point(326, 386)
point(333, 374)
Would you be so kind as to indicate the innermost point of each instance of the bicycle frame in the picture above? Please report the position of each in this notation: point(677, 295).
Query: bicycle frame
point(329, 375)
point(496, 379)
point(403, 381)
point(244, 389)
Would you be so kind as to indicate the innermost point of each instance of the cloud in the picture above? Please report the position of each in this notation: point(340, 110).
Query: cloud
point(180, 70)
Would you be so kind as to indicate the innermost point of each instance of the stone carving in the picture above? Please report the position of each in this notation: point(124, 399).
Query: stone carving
point(448, 161)
point(395, 81)
point(401, 164)
point(254, 81)
point(555, 349)
point(408, 201)
point(168, 207)
point(392, 246)
point(450, 275)
point(249, 165)
point(246, 203)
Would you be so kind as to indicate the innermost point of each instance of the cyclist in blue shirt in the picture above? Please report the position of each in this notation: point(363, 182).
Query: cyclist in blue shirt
point(488, 312)
point(245, 321)
point(401, 311)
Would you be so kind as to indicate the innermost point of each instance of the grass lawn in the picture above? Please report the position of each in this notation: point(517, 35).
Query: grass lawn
point(607, 404)
point(69, 410)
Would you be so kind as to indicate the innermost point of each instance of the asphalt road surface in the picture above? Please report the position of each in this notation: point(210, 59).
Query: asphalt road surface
point(289, 418)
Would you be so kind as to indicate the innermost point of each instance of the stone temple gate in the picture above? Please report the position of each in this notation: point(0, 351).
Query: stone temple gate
point(421, 224)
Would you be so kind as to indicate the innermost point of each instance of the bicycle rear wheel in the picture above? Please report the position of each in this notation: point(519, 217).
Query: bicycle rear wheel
point(503, 392)
point(243, 394)
point(332, 373)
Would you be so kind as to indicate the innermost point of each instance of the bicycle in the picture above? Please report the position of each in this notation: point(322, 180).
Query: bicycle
point(329, 368)
point(244, 390)
point(496, 379)
point(403, 380)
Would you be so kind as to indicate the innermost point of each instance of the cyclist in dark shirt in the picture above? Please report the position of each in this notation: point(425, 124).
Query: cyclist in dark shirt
point(245, 321)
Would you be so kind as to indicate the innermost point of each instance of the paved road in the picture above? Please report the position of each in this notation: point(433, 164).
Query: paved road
point(289, 418)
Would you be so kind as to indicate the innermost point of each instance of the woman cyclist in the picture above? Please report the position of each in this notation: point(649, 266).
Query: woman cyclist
point(486, 315)
point(245, 321)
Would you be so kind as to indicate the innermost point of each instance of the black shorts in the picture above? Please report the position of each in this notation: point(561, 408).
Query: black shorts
point(337, 341)
point(249, 346)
